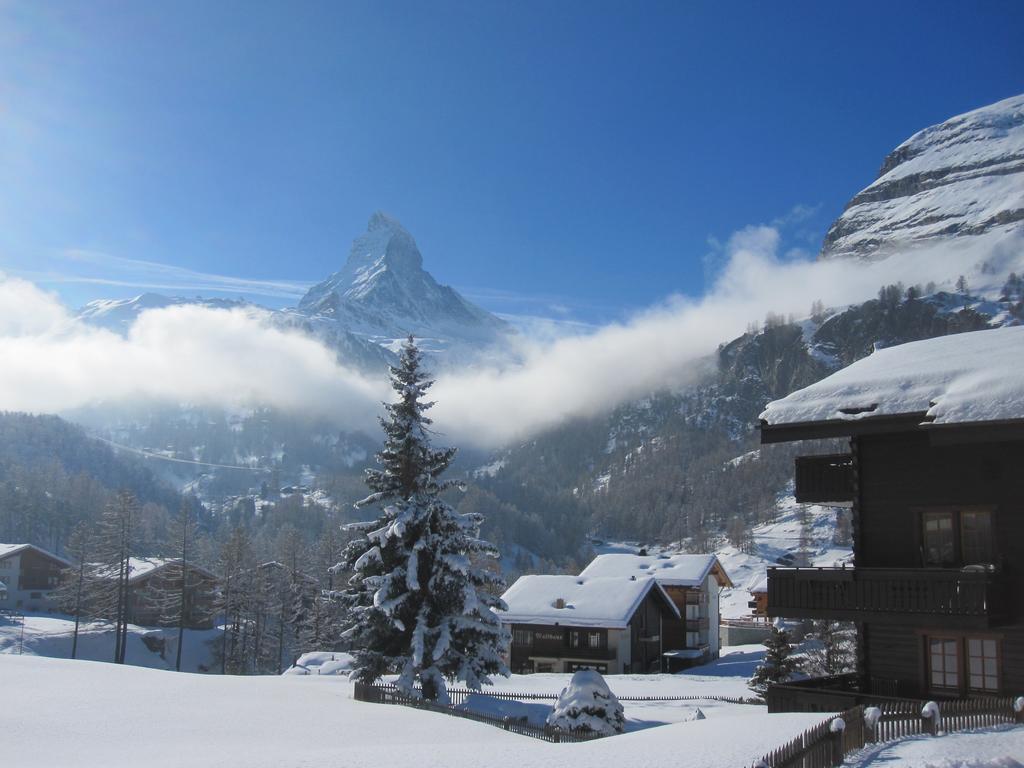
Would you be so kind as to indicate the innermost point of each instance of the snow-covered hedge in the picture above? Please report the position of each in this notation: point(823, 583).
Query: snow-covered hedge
point(322, 663)
point(588, 704)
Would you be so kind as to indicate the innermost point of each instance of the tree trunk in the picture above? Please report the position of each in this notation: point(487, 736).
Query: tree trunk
point(78, 609)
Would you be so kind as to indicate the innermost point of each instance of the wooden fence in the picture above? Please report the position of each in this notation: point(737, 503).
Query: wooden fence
point(390, 694)
point(824, 745)
point(458, 696)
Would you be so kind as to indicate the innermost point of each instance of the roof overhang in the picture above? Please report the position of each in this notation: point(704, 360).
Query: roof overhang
point(817, 430)
point(38, 550)
point(568, 621)
point(939, 434)
point(163, 566)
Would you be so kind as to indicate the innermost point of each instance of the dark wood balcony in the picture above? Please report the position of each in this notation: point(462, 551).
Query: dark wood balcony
point(945, 597)
point(824, 479)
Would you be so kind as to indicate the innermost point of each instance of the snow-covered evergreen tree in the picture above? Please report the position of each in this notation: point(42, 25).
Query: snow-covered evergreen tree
point(419, 603)
point(834, 650)
point(778, 665)
point(587, 704)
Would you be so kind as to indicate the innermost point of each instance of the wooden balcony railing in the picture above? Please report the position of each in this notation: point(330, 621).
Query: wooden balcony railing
point(823, 479)
point(896, 595)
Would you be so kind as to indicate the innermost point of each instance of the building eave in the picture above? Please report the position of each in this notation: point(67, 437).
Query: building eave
point(817, 430)
point(939, 433)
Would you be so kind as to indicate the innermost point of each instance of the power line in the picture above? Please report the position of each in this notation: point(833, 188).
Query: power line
point(161, 457)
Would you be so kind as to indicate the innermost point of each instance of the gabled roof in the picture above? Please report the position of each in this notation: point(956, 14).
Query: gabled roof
point(963, 380)
point(140, 568)
point(588, 602)
point(679, 570)
point(14, 549)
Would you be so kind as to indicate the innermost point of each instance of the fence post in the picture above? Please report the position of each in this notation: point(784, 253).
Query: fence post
point(836, 728)
point(930, 718)
point(1018, 709)
point(871, 717)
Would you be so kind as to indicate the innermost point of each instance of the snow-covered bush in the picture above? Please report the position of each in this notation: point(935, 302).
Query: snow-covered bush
point(697, 714)
point(588, 704)
point(321, 663)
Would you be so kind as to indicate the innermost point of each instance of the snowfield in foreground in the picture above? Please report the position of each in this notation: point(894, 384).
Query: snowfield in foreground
point(88, 714)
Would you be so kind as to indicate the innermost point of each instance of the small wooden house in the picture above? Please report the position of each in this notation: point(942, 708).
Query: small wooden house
point(613, 625)
point(936, 447)
point(31, 575)
point(154, 582)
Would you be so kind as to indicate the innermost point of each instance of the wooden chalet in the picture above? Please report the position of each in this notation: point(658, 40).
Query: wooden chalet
point(565, 623)
point(31, 574)
point(153, 580)
point(693, 582)
point(933, 474)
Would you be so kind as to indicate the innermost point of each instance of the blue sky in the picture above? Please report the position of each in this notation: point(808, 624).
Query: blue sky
point(574, 159)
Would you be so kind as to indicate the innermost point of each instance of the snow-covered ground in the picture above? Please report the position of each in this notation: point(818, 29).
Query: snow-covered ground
point(110, 715)
point(47, 634)
point(1001, 747)
point(726, 676)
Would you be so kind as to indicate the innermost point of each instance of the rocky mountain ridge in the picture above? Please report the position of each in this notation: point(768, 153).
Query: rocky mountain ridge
point(963, 177)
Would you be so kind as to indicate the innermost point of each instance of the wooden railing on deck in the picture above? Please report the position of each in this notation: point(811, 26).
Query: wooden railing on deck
point(859, 593)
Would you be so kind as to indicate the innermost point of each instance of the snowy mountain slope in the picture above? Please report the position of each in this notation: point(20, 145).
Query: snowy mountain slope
point(118, 314)
point(781, 541)
point(383, 292)
point(962, 177)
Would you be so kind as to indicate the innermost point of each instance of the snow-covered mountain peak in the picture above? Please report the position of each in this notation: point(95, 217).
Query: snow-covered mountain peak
point(383, 221)
point(383, 292)
point(962, 177)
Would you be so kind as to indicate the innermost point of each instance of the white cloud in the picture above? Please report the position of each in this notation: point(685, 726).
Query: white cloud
point(53, 363)
point(211, 356)
point(586, 375)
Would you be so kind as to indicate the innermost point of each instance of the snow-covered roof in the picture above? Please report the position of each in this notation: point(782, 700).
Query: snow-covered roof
point(677, 570)
point(759, 585)
point(960, 379)
point(143, 566)
point(589, 602)
point(13, 549)
point(140, 567)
